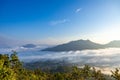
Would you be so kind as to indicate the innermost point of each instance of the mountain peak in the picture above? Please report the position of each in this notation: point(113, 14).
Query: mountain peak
point(79, 41)
point(75, 45)
point(83, 45)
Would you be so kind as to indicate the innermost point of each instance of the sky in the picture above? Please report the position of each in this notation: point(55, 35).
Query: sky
point(59, 21)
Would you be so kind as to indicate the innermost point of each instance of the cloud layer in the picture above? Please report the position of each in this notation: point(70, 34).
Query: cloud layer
point(106, 59)
point(102, 57)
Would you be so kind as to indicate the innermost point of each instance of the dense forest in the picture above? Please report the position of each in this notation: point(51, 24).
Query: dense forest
point(11, 68)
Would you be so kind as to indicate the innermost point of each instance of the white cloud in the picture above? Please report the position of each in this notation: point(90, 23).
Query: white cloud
point(101, 57)
point(59, 22)
point(78, 10)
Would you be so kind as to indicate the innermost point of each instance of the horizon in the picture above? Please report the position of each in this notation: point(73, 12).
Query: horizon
point(59, 21)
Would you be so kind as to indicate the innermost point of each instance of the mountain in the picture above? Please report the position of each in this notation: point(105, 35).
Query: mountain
point(115, 43)
point(83, 45)
point(76, 45)
point(29, 46)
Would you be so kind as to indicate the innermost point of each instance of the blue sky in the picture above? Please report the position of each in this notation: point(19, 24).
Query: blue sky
point(58, 21)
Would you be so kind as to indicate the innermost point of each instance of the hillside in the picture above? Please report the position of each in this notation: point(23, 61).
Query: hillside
point(82, 45)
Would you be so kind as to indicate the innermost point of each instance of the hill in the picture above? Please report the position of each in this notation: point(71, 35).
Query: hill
point(82, 45)
point(29, 46)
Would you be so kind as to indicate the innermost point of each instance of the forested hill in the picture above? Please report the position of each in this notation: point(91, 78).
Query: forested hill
point(82, 45)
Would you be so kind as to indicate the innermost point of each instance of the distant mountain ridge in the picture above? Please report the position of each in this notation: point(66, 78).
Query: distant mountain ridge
point(83, 45)
point(115, 43)
point(29, 46)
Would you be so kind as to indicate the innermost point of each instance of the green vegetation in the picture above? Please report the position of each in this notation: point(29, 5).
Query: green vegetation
point(11, 69)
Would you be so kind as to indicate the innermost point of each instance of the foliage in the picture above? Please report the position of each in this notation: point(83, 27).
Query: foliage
point(11, 69)
point(116, 74)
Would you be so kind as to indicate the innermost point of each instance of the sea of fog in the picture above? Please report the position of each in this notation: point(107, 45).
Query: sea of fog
point(106, 59)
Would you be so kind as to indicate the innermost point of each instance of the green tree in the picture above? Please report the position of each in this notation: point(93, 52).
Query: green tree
point(116, 74)
point(97, 75)
point(6, 73)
